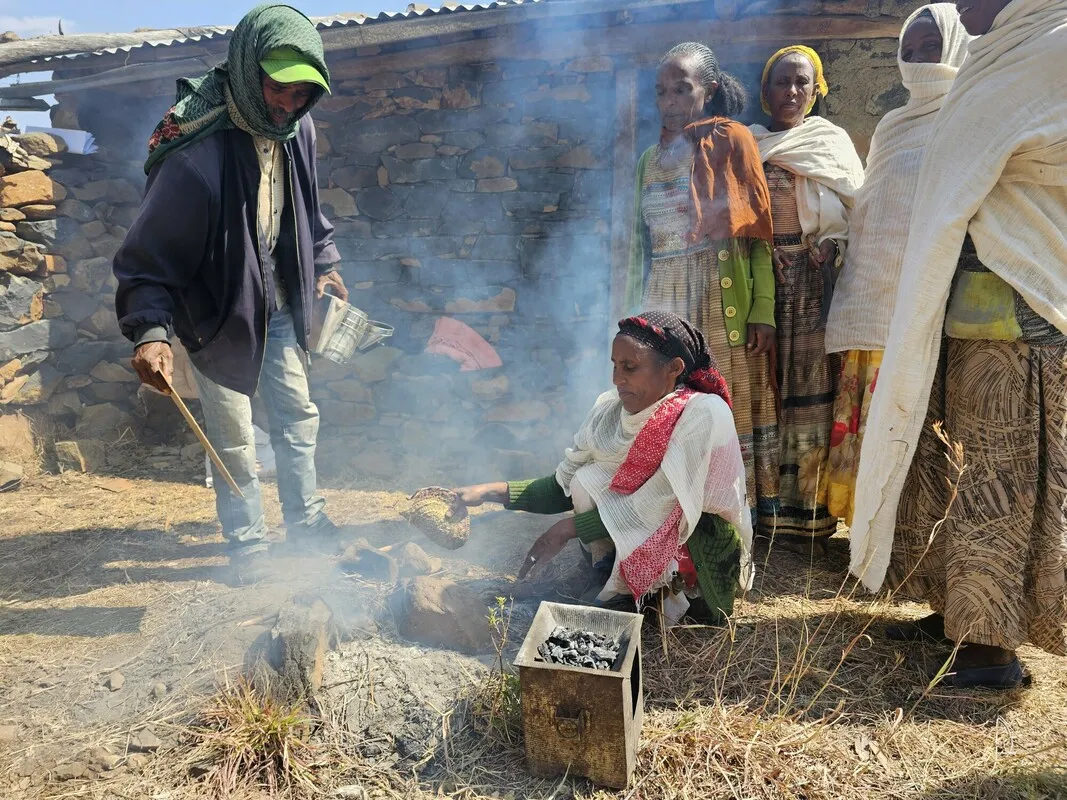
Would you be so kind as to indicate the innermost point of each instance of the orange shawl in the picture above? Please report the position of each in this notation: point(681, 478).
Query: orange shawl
point(729, 190)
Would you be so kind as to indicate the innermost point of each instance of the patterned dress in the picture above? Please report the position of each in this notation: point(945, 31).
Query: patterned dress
point(997, 567)
point(805, 375)
point(685, 279)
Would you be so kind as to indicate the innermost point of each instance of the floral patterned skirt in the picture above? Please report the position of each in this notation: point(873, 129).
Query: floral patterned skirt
point(859, 372)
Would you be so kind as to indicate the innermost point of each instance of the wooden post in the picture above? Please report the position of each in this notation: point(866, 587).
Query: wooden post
point(622, 186)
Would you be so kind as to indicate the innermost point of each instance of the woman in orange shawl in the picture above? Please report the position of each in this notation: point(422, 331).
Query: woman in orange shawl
point(701, 246)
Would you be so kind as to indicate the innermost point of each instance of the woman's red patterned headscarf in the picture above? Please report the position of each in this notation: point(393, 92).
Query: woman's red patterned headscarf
point(674, 337)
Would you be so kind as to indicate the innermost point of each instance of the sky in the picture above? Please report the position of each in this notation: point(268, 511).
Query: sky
point(112, 16)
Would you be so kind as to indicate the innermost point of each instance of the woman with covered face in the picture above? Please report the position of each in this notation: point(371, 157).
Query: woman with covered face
point(701, 245)
point(655, 479)
point(933, 45)
point(988, 241)
point(813, 172)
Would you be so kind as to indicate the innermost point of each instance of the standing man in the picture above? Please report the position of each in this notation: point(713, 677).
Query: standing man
point(227, 252)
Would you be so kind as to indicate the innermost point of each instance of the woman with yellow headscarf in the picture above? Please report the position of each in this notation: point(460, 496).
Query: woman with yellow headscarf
point(813, 173)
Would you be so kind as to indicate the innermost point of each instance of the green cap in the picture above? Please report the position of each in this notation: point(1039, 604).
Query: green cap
point(286, 65)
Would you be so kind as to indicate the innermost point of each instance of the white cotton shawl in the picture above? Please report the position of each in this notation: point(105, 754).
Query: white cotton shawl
point(828, 174)
point(996, 167)
point(702, 471)
point(878, 228)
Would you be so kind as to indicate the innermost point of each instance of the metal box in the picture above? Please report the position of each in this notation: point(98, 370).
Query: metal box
point(581, 721)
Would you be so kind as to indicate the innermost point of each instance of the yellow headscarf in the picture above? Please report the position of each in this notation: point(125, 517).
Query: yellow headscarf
point(821, 89)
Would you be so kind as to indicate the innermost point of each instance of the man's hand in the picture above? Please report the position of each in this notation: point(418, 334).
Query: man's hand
point(548, 546)
point(334, 281)
point(151, 361)
point(761, 338)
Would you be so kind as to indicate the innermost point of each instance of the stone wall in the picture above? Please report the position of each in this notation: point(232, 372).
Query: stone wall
point(60, 347)
point(480, 193)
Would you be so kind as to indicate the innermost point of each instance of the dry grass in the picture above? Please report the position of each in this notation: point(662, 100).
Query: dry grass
point(800, 697)
point(248, 739)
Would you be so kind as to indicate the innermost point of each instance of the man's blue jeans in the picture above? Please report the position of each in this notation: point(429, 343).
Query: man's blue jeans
point(294, 426)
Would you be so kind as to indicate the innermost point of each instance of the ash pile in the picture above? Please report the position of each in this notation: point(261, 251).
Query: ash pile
point(575, 648)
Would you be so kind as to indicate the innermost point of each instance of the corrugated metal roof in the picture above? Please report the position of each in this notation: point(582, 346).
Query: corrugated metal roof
point(211, 33)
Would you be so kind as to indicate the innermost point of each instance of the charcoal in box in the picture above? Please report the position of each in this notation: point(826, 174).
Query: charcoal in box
point(579, 720)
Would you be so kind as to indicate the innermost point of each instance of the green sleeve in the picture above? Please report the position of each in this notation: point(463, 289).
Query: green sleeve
point(545, 496)
point(540, 496)
point(635, 275)
point(762, 311)
point(715, 548)
point(590, 526)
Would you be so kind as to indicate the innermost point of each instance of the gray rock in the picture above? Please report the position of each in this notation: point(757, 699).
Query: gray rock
point(355, 177)
point(76, 210)
point(144, 741)
point(429, 169)
point(467, 119)
point(115, 681)
point(90, 274)
point(104, 421)
point(529, 204)
point(9, 734)
point(69, 457)
point(116, 191)
point(426, 202)
point(496, 248)
point(45, 334)
point(483, 164)
point(19, 256)
point(37, 388)
point(402, 228)
point(77, 306)
point(472, 206)
point(378, 135)
point(70, 772)
point(465, 140)
point(544, 180)
point(81, 357)
point(49, 232)
point(109, 372)
point(380, 204)
point(20, 301)
point(69, 177)
point(100, 759)
point(417, 150)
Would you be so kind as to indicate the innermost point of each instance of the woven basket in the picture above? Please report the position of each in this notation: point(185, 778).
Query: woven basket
point(440, 515)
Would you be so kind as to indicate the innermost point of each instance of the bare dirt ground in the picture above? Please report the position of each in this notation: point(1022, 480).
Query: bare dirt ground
point(117, 617)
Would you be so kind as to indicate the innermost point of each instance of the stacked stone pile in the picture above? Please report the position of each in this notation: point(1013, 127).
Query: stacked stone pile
point(60, 347)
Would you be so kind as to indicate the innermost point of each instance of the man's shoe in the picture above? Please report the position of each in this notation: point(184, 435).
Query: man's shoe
point(319, 536)
point(251, 562)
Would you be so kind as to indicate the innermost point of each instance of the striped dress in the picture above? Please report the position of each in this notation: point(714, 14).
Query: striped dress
point(806, 375)
point(684, 279)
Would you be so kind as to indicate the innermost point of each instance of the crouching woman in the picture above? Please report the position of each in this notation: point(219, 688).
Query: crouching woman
point(655, 478)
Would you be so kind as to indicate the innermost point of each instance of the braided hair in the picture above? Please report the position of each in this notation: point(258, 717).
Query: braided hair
point(729, 99)
point(671, 337)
